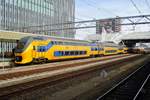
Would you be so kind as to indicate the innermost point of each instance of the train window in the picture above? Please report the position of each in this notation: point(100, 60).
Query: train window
point(84, 52)
point(33, 47)
point(60, 43)
point(66, 53)
point(55, 42)
point(68, 43)
point(72, 53)
point(76, 52)
point(59, 52)
point(52, 42)
point(43, 48)
point(62, 53)
point(81, 52)
point(101, 49)
point(71, 43)
point(0, 47)
point(64, 43)
point(95, 49)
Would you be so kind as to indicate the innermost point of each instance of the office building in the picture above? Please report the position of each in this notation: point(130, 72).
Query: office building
point(20, 15)
point(110, 25)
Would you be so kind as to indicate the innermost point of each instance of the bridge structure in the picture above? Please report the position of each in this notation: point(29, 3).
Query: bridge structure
point(130, 39)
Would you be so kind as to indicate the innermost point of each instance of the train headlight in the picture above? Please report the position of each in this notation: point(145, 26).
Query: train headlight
point(18, 58)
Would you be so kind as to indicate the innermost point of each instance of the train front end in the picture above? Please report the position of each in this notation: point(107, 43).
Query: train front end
point(23, 51)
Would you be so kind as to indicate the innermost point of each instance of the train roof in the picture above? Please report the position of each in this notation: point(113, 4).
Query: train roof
point(109, 43)
point(45, 37)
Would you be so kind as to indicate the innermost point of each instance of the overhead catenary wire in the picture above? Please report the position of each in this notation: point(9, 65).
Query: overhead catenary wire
point(147, 3)
point(93, 4)
point(135, 6)
point(88, 21)
point(88, 15)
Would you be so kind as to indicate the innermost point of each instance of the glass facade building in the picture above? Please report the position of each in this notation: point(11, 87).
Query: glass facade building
point(20, 15)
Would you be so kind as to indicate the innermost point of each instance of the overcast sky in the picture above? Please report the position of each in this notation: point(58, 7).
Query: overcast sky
point(88, 9)
point(99, 9)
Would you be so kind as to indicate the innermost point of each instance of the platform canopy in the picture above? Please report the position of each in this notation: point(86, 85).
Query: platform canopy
point(136, 35)
point(10, 35)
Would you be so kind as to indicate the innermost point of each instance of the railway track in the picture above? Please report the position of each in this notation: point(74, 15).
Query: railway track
point(35, 69)
point(66, 72)
point(144, 91)
point(132, 87)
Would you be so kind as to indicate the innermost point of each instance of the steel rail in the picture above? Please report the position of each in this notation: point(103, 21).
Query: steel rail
point(136, 96)
point(122, 81)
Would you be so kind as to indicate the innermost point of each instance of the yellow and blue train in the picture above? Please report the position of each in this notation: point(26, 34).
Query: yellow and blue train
point(41, 49)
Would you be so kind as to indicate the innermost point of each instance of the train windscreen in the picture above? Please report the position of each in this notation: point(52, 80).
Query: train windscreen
point(22, 44)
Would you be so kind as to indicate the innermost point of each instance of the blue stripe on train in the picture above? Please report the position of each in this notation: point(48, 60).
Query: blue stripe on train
point(44, 48)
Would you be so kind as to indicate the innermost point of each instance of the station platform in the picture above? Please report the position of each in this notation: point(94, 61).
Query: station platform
point(5, 59)
point(4, 62)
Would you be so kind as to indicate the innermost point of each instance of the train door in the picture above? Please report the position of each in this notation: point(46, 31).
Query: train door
point(34, 52)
